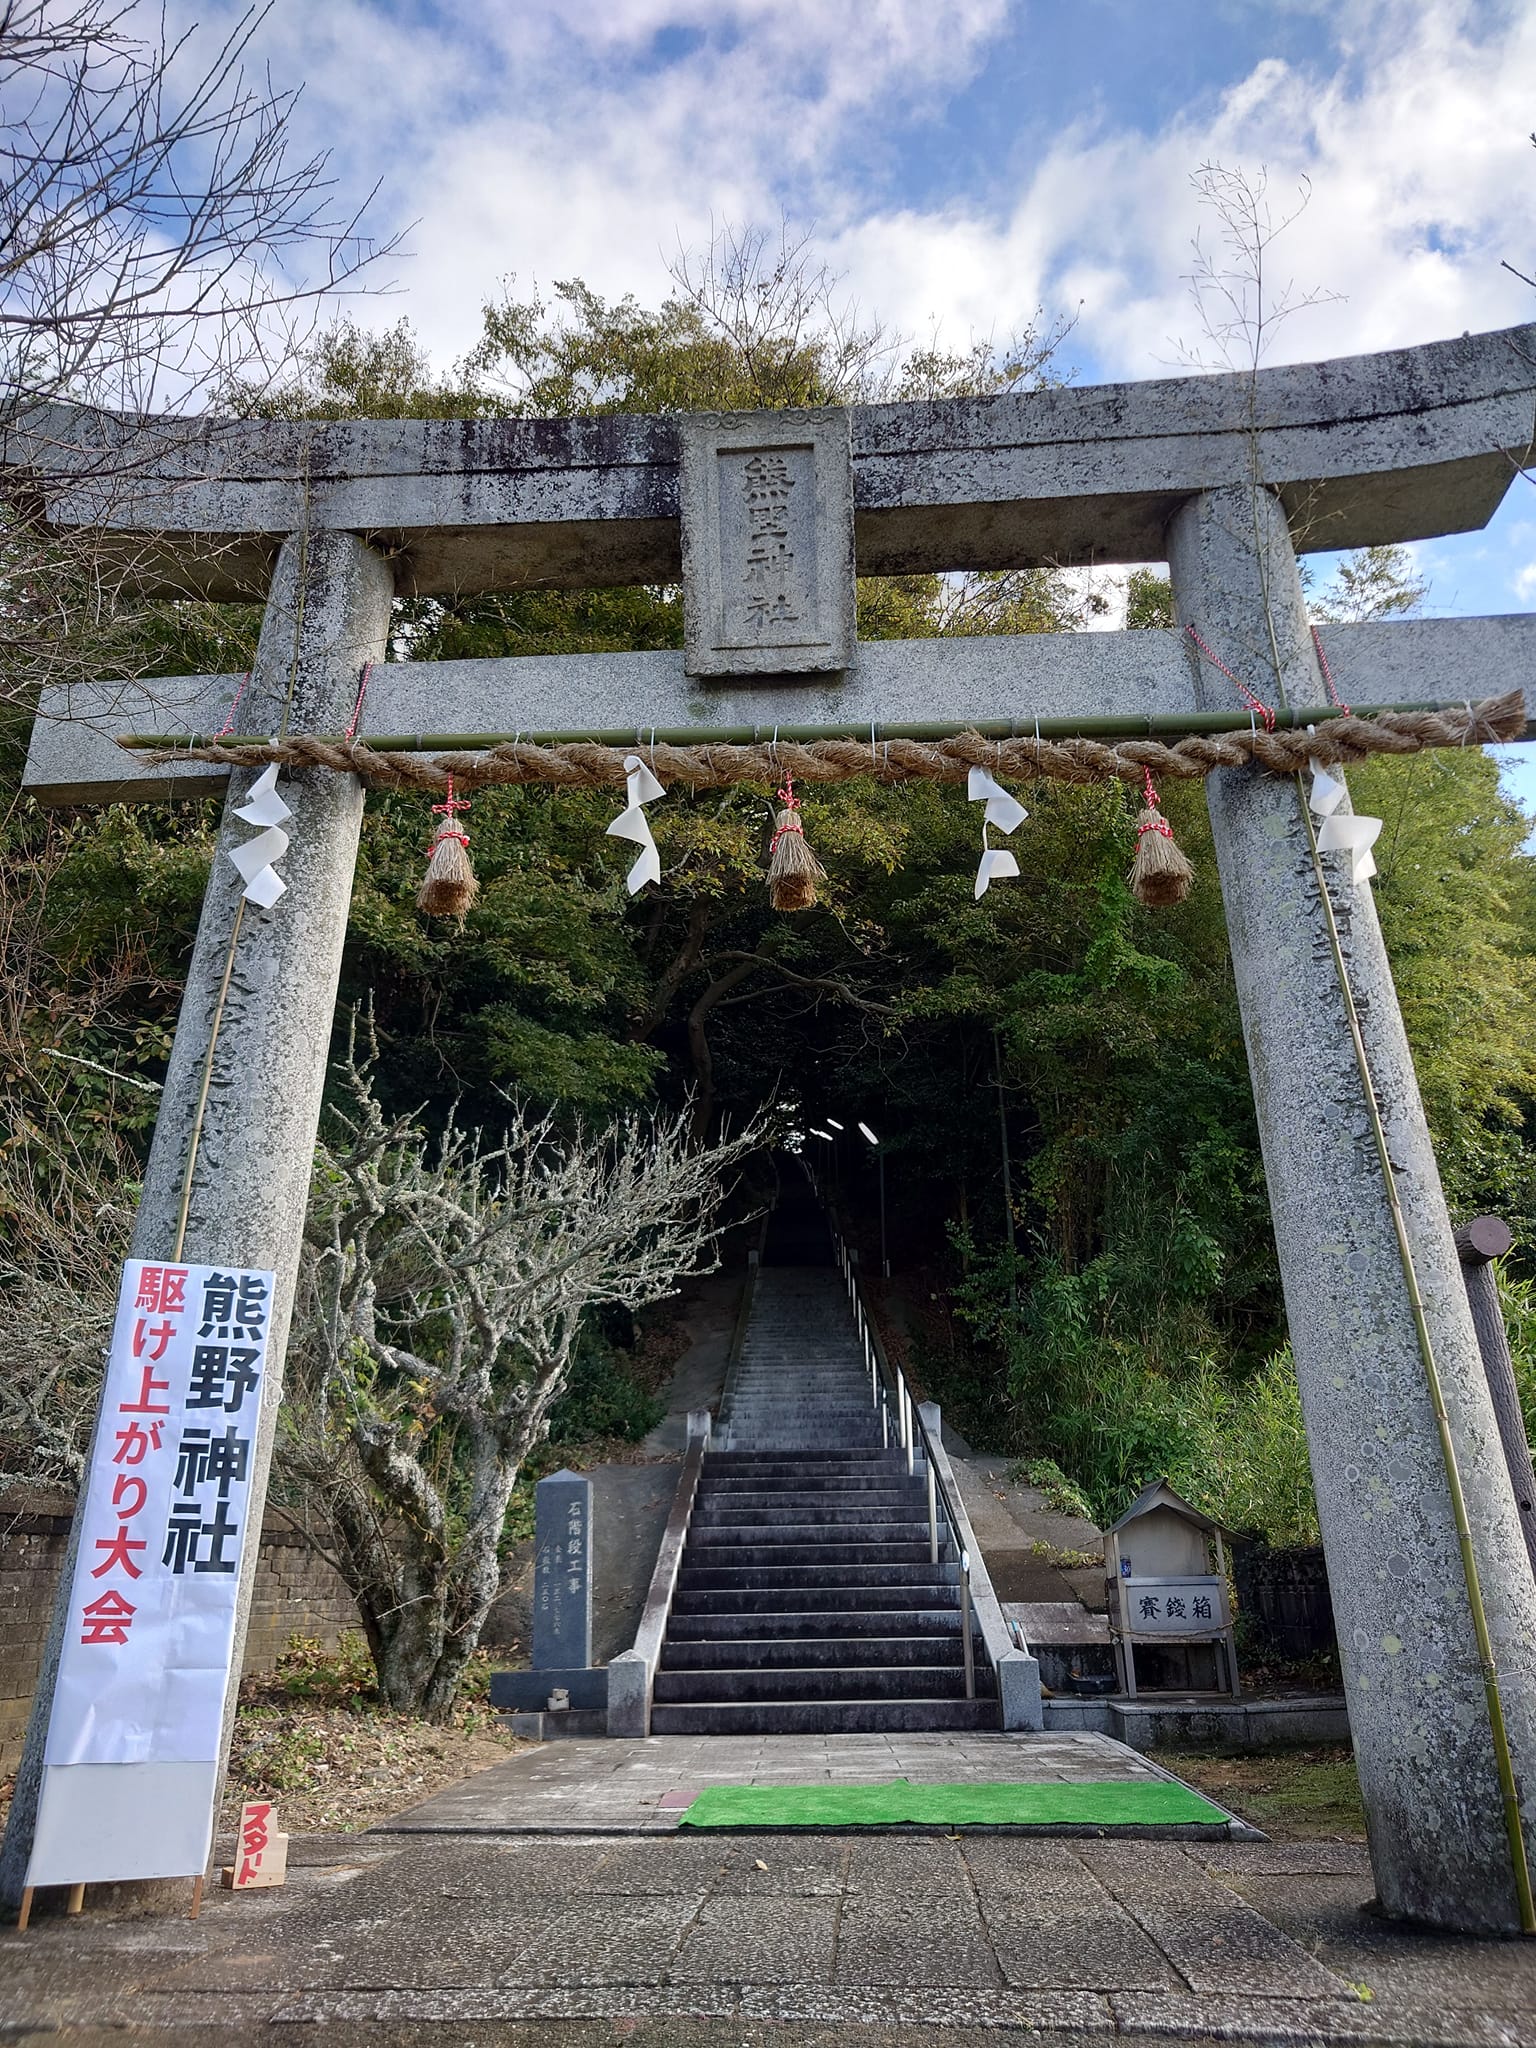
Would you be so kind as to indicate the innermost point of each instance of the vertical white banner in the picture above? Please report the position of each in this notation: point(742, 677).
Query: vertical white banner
point(133, 1738)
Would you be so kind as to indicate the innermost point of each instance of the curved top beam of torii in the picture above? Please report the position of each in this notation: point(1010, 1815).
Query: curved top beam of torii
point(1402, 445)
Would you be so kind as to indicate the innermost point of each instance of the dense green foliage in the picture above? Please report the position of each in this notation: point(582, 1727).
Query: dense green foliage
point(1122, 1316)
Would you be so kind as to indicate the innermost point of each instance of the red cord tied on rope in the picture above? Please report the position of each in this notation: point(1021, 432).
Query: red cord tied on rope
point(449, 887)
point(1254, 703)
point(793, 870)
point(1160, 874)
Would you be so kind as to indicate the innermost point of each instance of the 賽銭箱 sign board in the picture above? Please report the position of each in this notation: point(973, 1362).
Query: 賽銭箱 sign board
point(133, 1751)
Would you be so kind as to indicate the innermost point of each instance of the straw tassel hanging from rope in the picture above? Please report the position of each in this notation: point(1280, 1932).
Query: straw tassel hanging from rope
point(793, 870)
point(1160, 874)
point(450, 886)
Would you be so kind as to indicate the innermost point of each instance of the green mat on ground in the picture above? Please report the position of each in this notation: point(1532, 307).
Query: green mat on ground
point(1137, 1802)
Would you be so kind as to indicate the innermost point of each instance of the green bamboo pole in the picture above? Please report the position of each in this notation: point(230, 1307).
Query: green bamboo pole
point(1147, 725)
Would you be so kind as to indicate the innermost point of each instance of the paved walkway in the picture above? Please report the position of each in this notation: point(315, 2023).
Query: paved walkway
point(645, 1786)
point(742, 1942)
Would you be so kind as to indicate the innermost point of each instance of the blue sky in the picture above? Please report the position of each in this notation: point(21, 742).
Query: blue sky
point(962, 162)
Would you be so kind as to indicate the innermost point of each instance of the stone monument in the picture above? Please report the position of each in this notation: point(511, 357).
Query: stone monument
point(561, 1656)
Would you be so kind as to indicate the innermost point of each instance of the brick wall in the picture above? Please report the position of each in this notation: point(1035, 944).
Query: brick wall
point(296, 1594)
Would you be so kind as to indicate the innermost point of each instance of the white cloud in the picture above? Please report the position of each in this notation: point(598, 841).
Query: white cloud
point(554, 138)
point(1422, 177)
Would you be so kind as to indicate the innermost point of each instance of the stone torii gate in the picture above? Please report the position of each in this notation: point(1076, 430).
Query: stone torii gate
point(1222, 477)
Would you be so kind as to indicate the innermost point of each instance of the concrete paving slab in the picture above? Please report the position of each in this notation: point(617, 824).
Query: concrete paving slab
point(530, 1867)
point(1008, 1867)
point(955, 2007)
point(1325, 1915)
point(841, 1940)
point(805, 1866)
point(491, 2004)
point(902, 1866)
point(761, 1941)
point(1235, 2018)
point(619, 1787)
point(1086, 1943)
point(686, 1867)
point(911, 1938)
point(1214, 1941)
point(606, 1941)
point(1311, 1859)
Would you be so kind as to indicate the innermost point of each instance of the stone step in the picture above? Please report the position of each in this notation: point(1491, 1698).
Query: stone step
point(915, 1716)
point(816, 1682)
point(812, 1500)
point(799, 1653)
point(736, 1510)
point(790, 1442)
point(792, 1578)
point(827, 1458)
point(830, 1407)
point(909, 1624)
point(822, 1422)
point(906, 1597)
point(816, 1482)
point(799, 1525)
point(837, 1398)
point(828, 1558)
point(808, 1600)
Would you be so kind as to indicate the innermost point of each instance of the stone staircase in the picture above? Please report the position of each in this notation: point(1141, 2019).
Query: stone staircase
point(808, 1601)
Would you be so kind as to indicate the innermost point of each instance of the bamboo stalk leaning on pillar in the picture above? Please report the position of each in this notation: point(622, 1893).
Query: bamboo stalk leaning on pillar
point(250, 1144)
point(1418, 1711)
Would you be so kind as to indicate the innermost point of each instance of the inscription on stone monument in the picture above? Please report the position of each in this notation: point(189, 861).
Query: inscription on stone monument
point(562, 1575)
point(768, 563)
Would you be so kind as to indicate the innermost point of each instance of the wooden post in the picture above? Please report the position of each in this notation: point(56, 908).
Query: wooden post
point(1478, 1244)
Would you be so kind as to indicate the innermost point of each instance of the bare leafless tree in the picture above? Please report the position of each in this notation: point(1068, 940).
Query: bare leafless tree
point(66, 1210)
point(1237, 299)
point(158, 228)
point(443, 1288)
point(163, 235)
point(800, 340)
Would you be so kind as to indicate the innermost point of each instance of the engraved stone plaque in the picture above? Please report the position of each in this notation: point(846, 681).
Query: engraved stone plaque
point(562, 1572)
point(768, 567)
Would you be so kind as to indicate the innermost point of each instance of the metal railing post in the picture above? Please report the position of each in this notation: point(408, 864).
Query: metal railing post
point(968, 1648)
point(933, 1515)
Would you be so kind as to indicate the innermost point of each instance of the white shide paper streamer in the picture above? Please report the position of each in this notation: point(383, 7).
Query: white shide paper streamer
point(1003, 811)
point(1342, 831)
point(632, 824)
point(254, 860)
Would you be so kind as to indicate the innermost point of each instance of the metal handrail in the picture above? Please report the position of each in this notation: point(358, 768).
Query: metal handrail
point(632, 1674)
point(890, 1393)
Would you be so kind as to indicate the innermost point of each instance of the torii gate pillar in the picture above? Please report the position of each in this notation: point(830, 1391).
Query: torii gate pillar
point(1417, 1711)
point(328, 613)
